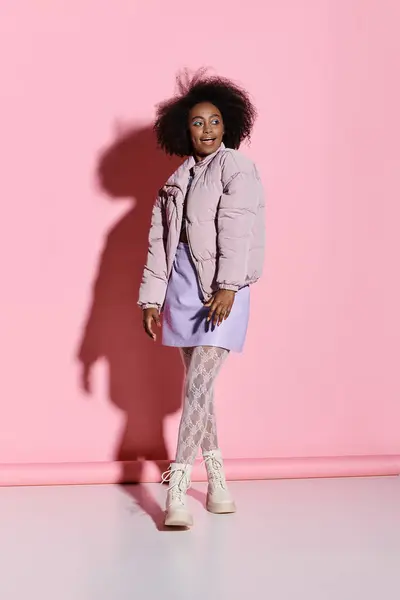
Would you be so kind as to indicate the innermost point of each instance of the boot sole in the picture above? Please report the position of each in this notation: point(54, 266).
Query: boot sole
point(221, 509)
point(178, 521)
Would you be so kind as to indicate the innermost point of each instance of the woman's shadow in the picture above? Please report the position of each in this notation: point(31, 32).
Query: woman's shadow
point(144, 380)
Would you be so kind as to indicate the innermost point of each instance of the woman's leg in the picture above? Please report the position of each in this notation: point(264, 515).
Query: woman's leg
point(210, 438)
point(197, 425)
point(186, 355)
point(219, 499)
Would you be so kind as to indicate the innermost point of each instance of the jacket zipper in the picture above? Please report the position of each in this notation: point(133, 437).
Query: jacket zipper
point(174, 216)
point(205, 296)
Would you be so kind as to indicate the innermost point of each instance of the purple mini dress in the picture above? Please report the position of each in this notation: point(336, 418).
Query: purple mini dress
point(185, 316)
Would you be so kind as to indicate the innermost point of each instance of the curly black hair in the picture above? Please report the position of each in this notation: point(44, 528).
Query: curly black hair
point(237, 110)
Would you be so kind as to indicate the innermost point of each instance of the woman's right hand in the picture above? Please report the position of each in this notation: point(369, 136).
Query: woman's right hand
point(151, 316)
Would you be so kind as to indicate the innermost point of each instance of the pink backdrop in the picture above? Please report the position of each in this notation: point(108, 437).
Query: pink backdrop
point(318, 381)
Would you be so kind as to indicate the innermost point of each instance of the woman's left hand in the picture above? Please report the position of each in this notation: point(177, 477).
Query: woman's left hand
point(220, 306)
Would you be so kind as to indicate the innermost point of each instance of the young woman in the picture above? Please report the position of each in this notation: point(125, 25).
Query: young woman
point(206, 247)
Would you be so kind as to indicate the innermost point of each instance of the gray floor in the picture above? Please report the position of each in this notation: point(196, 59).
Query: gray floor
point(333, 539)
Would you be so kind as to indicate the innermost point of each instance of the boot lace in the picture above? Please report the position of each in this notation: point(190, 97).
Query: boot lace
point(215, 471)
point(180, 483)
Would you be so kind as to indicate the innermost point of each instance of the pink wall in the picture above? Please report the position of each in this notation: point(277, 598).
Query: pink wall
point(319, 377)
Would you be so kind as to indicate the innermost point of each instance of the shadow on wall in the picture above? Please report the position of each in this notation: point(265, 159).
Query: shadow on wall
point(145, 380)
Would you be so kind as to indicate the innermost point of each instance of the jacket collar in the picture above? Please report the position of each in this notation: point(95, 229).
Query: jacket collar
point(181, 176)
point(207, 159)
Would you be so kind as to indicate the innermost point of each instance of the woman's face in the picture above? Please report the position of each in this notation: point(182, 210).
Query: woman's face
point(206, 129)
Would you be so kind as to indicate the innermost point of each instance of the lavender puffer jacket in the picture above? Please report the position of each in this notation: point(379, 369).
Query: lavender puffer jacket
point(225, 226)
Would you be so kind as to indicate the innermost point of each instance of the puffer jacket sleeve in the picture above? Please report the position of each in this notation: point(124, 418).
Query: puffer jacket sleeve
point(236, 214)
point(154, 280)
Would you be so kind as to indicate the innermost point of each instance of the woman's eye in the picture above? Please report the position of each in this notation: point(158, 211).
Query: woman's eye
point(197, 123)
point(216, 122)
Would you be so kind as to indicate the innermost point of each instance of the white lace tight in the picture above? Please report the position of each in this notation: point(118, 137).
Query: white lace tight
point(198, 425)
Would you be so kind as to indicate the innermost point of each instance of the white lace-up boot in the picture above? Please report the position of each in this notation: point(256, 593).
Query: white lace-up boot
point(177, 513)
point(219, 500)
